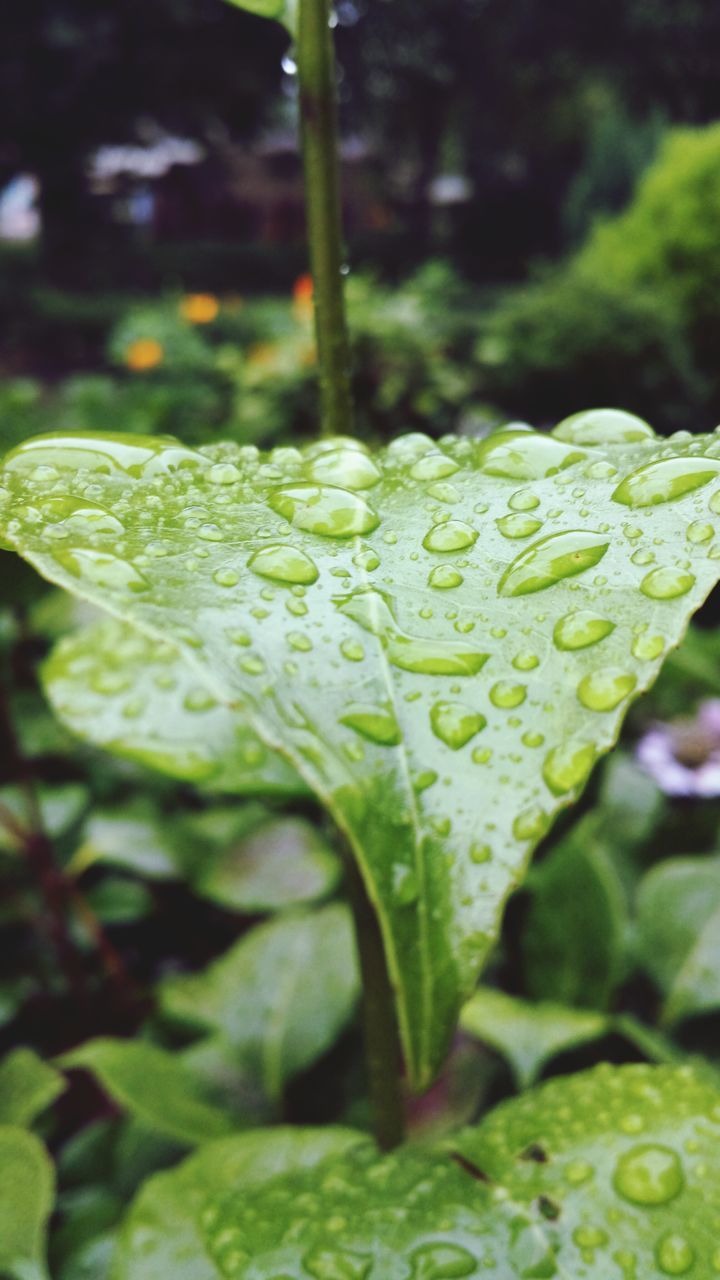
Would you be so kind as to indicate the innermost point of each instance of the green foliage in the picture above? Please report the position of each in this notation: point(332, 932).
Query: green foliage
point(26, 1195)
point(614, 1168)
point(345, 621)
point(678, 915)
point(27, 1087)
point(528, 1035)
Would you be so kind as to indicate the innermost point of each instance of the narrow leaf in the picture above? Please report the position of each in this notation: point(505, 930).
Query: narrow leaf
point(440, 638)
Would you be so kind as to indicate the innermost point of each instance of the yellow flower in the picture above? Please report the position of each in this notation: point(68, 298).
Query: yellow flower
point(144, 353)
point(199, 308)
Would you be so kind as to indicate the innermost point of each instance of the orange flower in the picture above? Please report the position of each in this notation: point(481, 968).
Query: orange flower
point(303, 297)
point(199, 308)
point(144, 353)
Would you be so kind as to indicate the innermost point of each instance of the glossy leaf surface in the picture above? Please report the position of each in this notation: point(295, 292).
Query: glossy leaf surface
point(137, 697)
point(441, 638)
point(279, 997)
point(154, 1086)
point(528, 1035)
point(26, 1197)
point(614, 1173)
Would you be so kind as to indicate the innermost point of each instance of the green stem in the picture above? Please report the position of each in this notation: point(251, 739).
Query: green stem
point(382, 1041)
point(319, 133)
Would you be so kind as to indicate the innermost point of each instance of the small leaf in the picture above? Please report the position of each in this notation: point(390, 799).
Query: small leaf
point(26, 1197)
point(529, 1035)
point(284, 11)
point(137, 697)
point(117, 838)
point(444, 726)
point(153, 1085)
point(280, 996)
point(282, 863)
point(27, 1086)
point(679, 934)
point(162, 1236)
point(573, 941)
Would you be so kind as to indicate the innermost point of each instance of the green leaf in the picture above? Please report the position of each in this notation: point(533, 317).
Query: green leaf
point(282, 863)
point(27, 1086)
point(679, 934)
point(284, 11)
point(137, 697)
point(440, 638)
point(573, 940)
point(614, 1173)
point(60, 808)
point(279, 997)
point(26, 1196)
point(154, 1086)
point(529, 1035)
point(117, 838)
point(162, 1235)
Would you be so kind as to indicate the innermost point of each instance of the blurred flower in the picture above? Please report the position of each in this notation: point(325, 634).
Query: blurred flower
point(303, 297)
point(263, 355)
point(683, 756)
point(144, 353)
point(199, 308)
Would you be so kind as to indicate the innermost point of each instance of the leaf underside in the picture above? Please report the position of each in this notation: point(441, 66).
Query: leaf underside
point(441, 638)
point(612, 1174)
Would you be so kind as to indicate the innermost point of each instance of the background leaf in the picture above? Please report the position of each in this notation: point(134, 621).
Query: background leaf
point(26, 1197)
point(441, 639)
point(281, 863)
point(528, 1035)
point(283, 10)
point(154, 1086)
point(678, 932)
point(27, 1086)
point(279, 997)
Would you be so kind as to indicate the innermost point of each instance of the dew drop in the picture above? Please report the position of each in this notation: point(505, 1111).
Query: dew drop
point(376, 723)
point(518, 526)
point(531, 739)
point(699, 532)
point(372, 611)
point(104, 452)
point(366, 559)
point(482, 755)
point(455, 724)
point(590, 1237)
point(324, 510)
point(352, 650)
point(568, 765)
point(649, 1175)
point(605, 688)
point(433, 466)
point(524, 500)
point(283, 563)
point(101, 569)
point(223, 473)
point(531, 824)
point(603, 426)
point(226, 577)
point(405, 888)
point(347, 468)
point(506, 695)
point(199, 700)
point(580, 629)
point(523, 455)
point(648, 648)
point(441, 1261)
point(329, 1264)
point(665, 481)
point(443, 492)
point(551, 560)
point(666, 584)
point(443, 576)
point(452, 535)
point(674, 1255)
point(525, 660)
point(480, 853)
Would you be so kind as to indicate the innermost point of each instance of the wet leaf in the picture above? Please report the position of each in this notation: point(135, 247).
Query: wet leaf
point(137, 697)
point(529, 1035)
point(279, 997)
point(679, 934)
point(26, 1197)
point(27, 1086)
point(154, 1086)
point(612, 1173)
point(441, 638)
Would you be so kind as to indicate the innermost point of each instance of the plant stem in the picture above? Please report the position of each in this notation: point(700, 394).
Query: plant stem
point(382, 1041)
point(319, 134)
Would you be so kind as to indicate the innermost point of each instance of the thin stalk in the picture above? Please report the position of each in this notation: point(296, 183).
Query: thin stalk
point(382, 1041)
point(319, 135)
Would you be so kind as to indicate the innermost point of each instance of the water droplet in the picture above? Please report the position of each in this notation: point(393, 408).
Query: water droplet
point(518, 526)
point(699, 532)
point(531, 824)
point(210, 533)
point(482, 755)
point(347, 468)
point(452, 535)
point(568, 765)
point(455, 724)
point(372, 611)
point(551, 560)
point(605, 688)
point(507, 695)
point(78, 516)
point(298, 641)
point(666, 584)
point(434, 466)
point(441, 1261)
point(523, 455)
point(643, 556)
point(603, 426)
point(101, 569)
point(588, 1237)
point(421, 781)
point(665, 481)
point(531, 739)
point(443, 576)
point(580, 629)
point(283, 563)
point(525, 660)
point(674, 1255)
point(324, 510)
point(352, 650)
point(524, 500)
point(226, 577)
point(648, 648)
point(105, 452)
point(480, 853)
point(223, 473)
point(648, 1175)
point(366, 559)
point(443, 492)
point(376, 723)
point(329, 1264)
point(199, 699)
point(578, 1172)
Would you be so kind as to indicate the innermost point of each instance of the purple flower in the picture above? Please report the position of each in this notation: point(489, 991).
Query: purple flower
point(683, 755)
